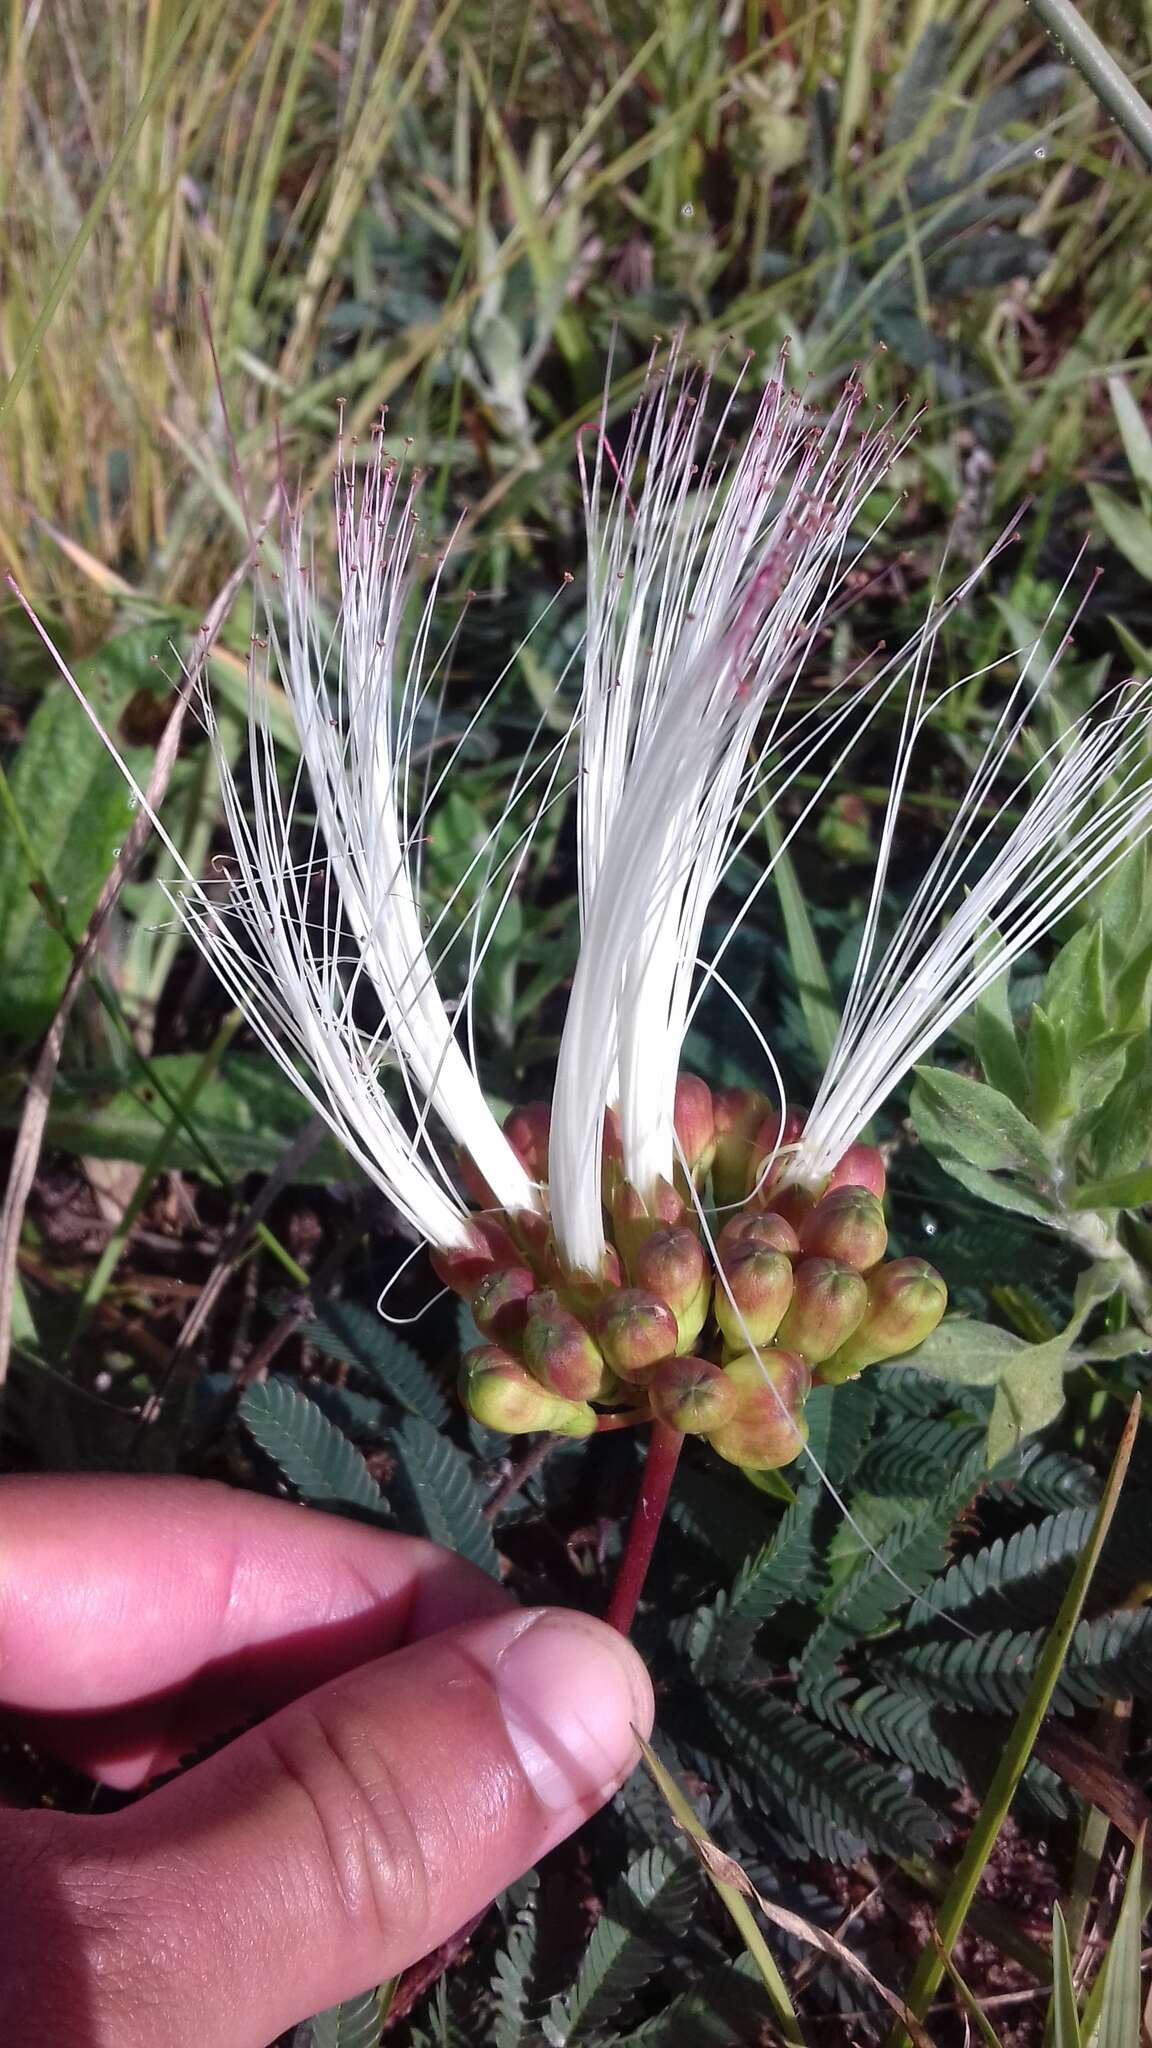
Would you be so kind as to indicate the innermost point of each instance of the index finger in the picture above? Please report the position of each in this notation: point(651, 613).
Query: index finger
point(119, 1593)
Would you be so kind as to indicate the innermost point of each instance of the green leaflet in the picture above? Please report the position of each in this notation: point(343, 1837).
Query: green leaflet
point(314, 1456)
point(344, 1330)
point(355, 2023)
point(445, 1495)
point(646, 1912)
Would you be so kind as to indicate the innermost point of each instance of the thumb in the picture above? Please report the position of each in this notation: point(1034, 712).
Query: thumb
point(353, 1832)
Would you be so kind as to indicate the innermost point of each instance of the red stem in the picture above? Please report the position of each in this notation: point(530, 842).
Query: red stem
point(655, 1486)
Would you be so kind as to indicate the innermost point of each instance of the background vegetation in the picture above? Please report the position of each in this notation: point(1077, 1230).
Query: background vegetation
point(229, 231)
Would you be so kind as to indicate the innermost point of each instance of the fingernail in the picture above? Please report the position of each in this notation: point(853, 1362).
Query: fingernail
point(572, 1690)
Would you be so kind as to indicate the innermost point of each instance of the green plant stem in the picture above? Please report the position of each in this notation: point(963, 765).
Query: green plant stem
point(664, 1447)
point(954, 1909)
point(1111, 85)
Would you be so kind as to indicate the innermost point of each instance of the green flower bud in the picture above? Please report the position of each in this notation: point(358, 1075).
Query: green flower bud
point(559, 1352)
point(635, 1330)
point(768, 1428)
point(827, 1303)
point(761, 1228)
point(906, 1300)
point(737, 1116)
point(502, 1394)
point(671, 1263)
point(500, 1303)
point(693, 1395)
point(695, 1121)
point(848, 1225)
point(749, 1308)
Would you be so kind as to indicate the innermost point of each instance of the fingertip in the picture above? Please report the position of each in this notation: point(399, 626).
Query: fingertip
point(574, 1694)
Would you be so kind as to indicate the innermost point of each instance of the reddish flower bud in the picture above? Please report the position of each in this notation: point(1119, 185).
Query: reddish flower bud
point(502, 1394)
point(750, 1307)
point(465, 1266)
point(500, 1303)
point(828, 1301)
point(695, 1122)
point(559, 1352)
point(693, 1395)
point(635, 1330)
point(633, 1218)
point(773, 1141)
point(526, 1130)
point(737, 1115)
point(768, 1428)
point(847, 1225)
point(475, 1185)
point(759, 1228)
point(671, 1263)
point(906, 1300)
point(860, 1167)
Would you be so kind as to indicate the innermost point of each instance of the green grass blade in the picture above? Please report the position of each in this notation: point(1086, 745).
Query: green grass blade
point(730, 1897)
point(1111, 85)
point(1111, 2017)
point(954, 1910)
point(1063, 2020)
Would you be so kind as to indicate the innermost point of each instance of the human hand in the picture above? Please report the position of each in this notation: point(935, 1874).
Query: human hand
point(430, 1741)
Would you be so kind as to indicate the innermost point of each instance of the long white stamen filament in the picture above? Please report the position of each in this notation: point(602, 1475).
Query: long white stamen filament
point(707, 582)
point(1088, 800)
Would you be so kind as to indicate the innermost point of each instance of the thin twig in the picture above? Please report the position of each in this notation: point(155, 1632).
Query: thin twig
point(520, 1473)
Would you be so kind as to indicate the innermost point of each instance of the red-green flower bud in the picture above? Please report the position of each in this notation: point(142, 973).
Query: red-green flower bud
point(526, 1130)
point(475, 1185)
point(773, 1141)
point(633, 1218)
point(761, 1228)
point(737, 1116)
point(464, 1266)
point(671, 1263)
point(559, 1352)
point(768, 1428)
point(695, 1121)
point(635, 1330)
point(693, 1395)
point(828, 1301)
point(847, 1225)
point(906, 1300)
point(750, 1307)
point(500, 1303)
point(860, 1167)
point(502, 1394)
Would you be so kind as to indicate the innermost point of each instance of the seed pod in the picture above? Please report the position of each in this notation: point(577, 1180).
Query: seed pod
point(762, 1229)
point(906, 1300)
point(847, 1225)
point(671, 1263)
point(749, 1308)
point(768, 1428)
point(634, 1219)
point(635, 1330)
point(526, 1130)
point(828, 1301)
point(860, 1167)
point(559, 1352)
point(693, 1395)
point(500, 1303)
point(502, 1394)
point(695, 1121)
point(463, 1267)
point(737, 1115)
